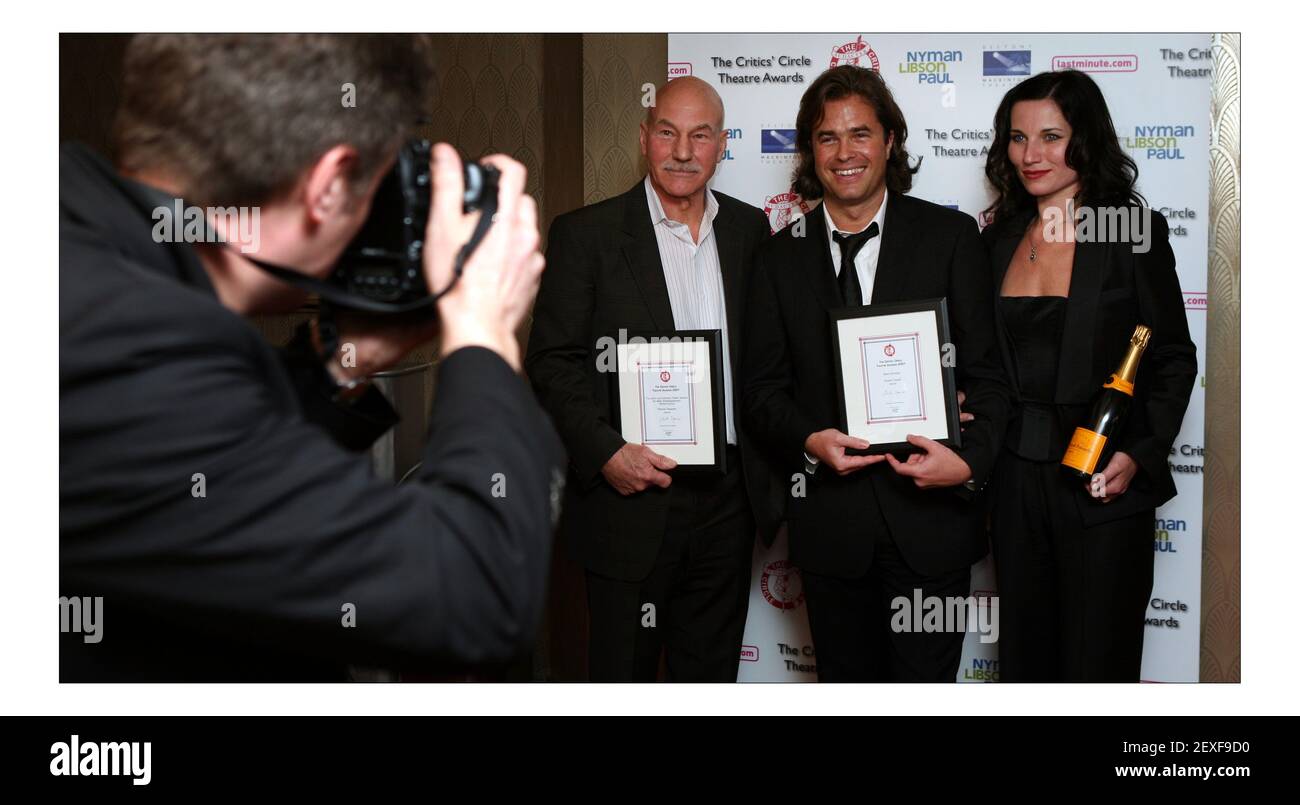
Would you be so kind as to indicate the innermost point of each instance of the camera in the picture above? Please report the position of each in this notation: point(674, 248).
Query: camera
point(383, 264)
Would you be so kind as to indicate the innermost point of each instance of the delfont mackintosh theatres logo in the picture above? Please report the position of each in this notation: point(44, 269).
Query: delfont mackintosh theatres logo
point(930, 66)
point(778, 146)
point(783, 208)
point(779, 141)
point(1159, 141)
point(1004, 65)
point(782, 585)
point(1007, 62)
point(857, 53)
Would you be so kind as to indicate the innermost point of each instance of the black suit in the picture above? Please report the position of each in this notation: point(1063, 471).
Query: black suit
point(838, 528)
point(1074, 574)
point(604, 274)
point(160, 383)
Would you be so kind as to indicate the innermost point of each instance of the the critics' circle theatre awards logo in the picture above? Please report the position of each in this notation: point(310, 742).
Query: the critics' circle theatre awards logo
point(856, 53)
point(889, 350)
point(780, 210)
point(782, 585)
point(665, 376)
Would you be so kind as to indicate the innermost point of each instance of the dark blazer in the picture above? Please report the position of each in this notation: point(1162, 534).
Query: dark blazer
point(1112, 290)
point(790, 391)
point(603, 274)
point(159, 381)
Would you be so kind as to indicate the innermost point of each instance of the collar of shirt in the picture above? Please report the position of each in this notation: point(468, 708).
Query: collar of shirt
point(679, 229)
point(879, 221)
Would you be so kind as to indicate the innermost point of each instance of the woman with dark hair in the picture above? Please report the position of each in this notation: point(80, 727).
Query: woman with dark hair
point(1080, 261)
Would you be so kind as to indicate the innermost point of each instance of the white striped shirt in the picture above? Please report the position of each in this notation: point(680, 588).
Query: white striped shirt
point(693, 275)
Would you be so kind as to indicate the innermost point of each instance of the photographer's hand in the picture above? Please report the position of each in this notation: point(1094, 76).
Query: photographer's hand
point(371, 343)
point(500, 280)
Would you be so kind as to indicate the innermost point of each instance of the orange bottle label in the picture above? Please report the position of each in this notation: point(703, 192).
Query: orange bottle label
point(1119, 384)
point(1084, 450)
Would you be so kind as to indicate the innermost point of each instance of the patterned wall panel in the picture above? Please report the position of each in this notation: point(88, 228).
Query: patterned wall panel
point(488, 99)
point(1221, 573)
point(615, 66)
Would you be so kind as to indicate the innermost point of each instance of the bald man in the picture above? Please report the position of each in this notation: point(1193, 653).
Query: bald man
point(666, 553)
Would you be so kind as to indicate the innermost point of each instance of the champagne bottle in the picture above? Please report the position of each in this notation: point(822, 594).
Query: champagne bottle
point(1107, 416)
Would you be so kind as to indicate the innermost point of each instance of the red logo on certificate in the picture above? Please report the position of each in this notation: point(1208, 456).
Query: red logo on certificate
point(665, 376)
point(889, 350)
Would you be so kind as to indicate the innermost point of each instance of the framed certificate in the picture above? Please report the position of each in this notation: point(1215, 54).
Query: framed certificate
point(668, 396)
point(895, 374)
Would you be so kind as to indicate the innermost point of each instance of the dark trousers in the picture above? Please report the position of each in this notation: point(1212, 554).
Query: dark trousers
point(698, 588)
point(1072, 598)
point(851, 619)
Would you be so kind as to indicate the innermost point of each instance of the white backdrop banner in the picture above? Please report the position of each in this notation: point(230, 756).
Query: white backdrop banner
point(949, 86)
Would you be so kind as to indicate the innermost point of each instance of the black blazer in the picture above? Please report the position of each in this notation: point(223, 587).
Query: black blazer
point(790, 392)
point(159, 381)
point(1112, 290)
point(603, 274)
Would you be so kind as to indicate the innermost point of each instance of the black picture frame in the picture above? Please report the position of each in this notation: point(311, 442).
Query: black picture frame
point(938, 307)
point(716, 402)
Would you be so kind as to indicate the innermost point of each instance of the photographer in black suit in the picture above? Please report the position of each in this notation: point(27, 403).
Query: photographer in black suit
point(871, 528)
point(210, 490)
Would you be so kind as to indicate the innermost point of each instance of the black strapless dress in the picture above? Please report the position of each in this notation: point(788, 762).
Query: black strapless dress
point(1034, 325)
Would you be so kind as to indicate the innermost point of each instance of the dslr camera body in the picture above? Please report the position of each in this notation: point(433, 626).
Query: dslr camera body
point(382, 269)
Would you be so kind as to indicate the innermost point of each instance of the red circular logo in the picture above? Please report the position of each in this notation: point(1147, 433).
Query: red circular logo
point(782, 585)
point(854, 53)
point(780, 209)
point(889, 350)
point(664, 376)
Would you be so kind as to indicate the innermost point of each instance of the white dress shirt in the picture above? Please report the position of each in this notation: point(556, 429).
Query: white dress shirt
point(868, 256)
point(865, 262)
point(693, 274)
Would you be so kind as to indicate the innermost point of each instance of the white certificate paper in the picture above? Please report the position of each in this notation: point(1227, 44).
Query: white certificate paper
point(892, 372)
point(667, 402)
point(665, 397)
point(891, 378)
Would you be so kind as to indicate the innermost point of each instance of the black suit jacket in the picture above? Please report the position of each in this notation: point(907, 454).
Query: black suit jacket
point(1112, 290)
point(158, 382)
point(603, 273)
point(790, 391)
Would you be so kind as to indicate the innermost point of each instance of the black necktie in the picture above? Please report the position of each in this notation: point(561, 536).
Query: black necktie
point(850, 245)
